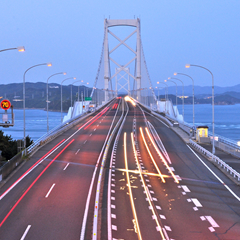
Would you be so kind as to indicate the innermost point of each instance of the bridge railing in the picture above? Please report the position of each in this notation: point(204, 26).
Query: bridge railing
point(216, 159)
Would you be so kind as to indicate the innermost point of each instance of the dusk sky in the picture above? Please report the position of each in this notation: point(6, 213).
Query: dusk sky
point(69, 34)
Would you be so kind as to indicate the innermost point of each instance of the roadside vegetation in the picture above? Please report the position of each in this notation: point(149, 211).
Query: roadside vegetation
point(9, 147)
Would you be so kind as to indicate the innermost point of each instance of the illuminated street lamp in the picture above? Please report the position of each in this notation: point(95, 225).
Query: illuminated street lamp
point(176, 87)
point(61, 93)
point(24, 122)
point(20, 49)
point(192, 93)
point(47, 94)
point(191, 65)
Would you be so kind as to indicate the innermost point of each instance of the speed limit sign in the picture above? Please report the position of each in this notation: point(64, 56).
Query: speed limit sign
point(5, 104)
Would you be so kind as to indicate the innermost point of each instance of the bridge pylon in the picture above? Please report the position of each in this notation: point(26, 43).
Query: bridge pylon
point(121, 69)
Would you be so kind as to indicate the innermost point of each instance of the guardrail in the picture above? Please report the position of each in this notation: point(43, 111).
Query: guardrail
point(215, 159)
point(14, 162)
point(59, 130)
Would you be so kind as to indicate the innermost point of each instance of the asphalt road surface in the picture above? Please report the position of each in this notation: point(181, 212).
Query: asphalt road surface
point(153, 185)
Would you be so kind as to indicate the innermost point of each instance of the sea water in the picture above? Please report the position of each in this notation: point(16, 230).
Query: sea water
point(227, 120)
point(36, 123)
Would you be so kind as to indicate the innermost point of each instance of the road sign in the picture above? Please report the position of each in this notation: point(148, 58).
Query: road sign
point(5, 104)
point(88, 99)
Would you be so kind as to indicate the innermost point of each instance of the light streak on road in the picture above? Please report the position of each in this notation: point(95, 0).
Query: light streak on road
point(161, 156)
point(154, 162)
point(30, 169)
point(149, 197)
point(19, 200)
point(130, 189)
point(128, 99)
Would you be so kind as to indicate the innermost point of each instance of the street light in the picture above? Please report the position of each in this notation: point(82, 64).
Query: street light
point(24, 122)
point(182, 94)
point(192, 91)
point(20, 49)
point(176, 88)
point(61, 93)
point(191, 65)
point(47, 94)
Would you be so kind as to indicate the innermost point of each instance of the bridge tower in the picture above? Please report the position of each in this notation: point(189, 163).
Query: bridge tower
point(122, 70)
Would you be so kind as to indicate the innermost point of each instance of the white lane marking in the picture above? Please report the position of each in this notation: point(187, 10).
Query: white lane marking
point(167, 228)
point(178, 177)
point(203, 218)
point(113, 215)
point(172, 168)
point(77, 151)
point(196, 202)
point(162, 217)
point(195, 208)
point(211, 229)
point(31, 169)
point(90, 135)
point(85, 142)
point(94, 130)
point(66, 167)
point(25, 233)
point(212, 221)
point(50, 190)
point(219, 179)
point(113, 206)
point(185, 188)
point(114, 227)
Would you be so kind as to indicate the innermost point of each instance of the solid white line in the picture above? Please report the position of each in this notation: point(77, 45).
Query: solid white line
point(50, 190)
point(66, 167)
point(219, 179)
point(25, 233)
point(196, 202)
point(212, 221)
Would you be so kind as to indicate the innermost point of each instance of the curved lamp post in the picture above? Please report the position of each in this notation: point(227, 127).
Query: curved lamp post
point(47, 94)
point(176, 87)
point(165, 95)
point(61, 93)
point(20, 49)
point(182, 94)
point(191, 65)
point(24, 122)
point(192, 91)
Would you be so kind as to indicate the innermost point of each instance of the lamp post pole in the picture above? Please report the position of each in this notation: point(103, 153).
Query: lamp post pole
point(182, 94)
point(24, 118)
point(191, 65)
point(192, 93)
point(61, 94)
point(176, 88)
point(47, 95)
point(20, 49)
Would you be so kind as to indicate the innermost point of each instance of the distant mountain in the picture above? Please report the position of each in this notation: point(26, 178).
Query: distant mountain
point(35, 95)
point(198, 90)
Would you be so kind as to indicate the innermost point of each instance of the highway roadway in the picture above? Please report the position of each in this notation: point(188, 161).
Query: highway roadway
point(152, 185)
point(174, 194)
point(53, 198)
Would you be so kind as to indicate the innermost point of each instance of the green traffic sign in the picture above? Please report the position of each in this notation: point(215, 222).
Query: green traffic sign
point(88, 99)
